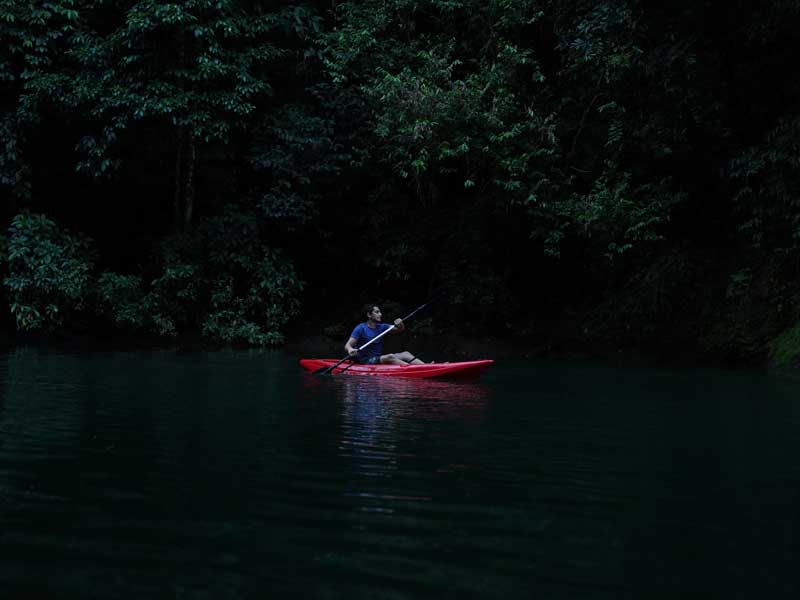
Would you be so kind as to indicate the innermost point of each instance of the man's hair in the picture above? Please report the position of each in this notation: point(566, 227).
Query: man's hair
point(368, 308)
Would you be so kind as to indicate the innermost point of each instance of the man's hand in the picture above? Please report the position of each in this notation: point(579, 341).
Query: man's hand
point(399, 323)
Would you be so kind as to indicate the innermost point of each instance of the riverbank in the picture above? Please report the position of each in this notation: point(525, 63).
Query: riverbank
point(308, 342)
point(450, 347)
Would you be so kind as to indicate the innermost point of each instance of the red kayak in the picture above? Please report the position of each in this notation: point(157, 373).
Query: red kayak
point(450, 370)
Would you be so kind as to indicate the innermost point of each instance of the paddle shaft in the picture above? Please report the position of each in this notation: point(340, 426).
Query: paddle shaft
point(377, 337)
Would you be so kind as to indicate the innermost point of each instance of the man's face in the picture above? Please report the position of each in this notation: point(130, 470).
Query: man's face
point(375, 314)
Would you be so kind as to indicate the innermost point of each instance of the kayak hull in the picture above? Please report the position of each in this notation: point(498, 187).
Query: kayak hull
point(448, 370)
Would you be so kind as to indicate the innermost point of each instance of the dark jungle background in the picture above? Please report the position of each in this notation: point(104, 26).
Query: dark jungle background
point(567, 175)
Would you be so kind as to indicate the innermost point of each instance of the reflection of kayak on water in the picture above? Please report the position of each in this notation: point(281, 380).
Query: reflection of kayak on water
point(450, 370)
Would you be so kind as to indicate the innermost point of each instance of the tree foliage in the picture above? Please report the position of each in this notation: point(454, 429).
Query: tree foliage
point(48, 272)
point(625, 159)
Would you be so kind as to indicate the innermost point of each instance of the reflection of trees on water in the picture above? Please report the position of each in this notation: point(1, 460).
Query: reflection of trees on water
point(40, 425)
point(74, 426)
point(123, 425)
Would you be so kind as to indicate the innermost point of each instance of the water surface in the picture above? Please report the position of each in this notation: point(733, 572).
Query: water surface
point(235, 475)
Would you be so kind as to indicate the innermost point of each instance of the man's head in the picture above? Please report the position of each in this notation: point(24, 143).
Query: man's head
point(373, 312)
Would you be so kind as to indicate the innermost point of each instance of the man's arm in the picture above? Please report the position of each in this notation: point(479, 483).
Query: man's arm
point(350, 346)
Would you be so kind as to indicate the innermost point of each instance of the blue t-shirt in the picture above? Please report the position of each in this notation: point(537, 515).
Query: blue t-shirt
point(363, 334)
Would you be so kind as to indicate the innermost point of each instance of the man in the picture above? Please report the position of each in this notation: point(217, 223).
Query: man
point(371, 355)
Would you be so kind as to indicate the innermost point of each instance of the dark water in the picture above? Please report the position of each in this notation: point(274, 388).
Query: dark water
point(234, 475)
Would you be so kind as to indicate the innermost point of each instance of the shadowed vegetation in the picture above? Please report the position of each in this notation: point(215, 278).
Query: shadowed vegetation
point(575, 175)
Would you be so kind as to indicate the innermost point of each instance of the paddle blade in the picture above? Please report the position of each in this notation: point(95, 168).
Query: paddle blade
point(327, 370)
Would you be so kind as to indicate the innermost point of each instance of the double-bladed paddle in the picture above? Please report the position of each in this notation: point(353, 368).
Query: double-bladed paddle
point(326, 370)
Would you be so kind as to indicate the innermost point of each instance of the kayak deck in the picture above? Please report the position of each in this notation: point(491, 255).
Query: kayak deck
point(450, 370)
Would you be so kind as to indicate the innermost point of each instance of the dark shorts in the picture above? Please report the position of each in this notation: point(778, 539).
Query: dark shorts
point(369, 360)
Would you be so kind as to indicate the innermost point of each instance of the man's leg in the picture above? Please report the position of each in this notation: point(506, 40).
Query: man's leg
point(408, 358)
point(392, 359)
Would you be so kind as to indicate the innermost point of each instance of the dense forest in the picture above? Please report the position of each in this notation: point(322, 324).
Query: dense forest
point(566, 174)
